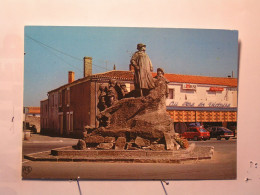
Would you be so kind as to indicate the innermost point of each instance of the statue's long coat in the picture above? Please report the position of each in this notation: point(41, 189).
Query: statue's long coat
point(143, 67)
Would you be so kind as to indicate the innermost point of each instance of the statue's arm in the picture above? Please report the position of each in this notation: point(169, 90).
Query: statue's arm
point(151, 65)
point(133, 61)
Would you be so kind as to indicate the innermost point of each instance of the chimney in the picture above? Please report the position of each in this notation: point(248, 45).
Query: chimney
point(87, 66)
point(71, 77)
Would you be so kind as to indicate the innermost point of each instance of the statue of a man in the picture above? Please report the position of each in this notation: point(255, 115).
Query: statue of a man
point(143, 67)
point(111, 92)
point(161, 80)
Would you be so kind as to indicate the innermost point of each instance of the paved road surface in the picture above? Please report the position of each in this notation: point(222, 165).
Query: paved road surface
point(221, 166)
point(41, 143)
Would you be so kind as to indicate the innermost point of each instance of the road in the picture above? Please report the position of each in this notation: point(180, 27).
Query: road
point(221, 166)
point(41, 143)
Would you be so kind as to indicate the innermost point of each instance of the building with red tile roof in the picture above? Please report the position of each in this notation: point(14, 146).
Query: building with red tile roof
point(191, 98)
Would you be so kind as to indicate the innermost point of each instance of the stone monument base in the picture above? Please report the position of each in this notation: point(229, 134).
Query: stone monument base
point(136, 156)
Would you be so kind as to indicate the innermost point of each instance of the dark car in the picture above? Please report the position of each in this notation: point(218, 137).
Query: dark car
point(220, 132)
point(196, 133)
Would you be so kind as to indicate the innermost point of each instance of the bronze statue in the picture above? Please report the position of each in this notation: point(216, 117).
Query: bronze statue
point(142, 64)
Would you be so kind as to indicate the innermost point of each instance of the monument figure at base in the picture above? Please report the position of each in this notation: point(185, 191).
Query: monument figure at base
point(160, 78)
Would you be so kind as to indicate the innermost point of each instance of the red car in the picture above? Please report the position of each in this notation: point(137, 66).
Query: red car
point(196, 133)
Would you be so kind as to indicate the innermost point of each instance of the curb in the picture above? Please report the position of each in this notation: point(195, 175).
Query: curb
point(200, 153)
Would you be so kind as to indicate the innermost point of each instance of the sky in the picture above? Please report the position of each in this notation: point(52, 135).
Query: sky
point(52, 51)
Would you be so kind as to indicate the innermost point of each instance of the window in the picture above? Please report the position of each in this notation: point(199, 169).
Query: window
point(52, 100)
point(194, 130)
point(171, 94)
point(61, 123)
point(60, 99)
point(69, 122)
point(203, 130)
point(67, 96)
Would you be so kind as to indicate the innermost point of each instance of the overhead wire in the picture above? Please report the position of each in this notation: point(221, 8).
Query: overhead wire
point(66, 54)
point(53, 48)
point(61, 58)
point(49, 48)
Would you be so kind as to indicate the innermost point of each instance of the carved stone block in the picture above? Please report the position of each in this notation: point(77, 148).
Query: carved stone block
point(94, 139)
point(105, 146)
point(140, 142)
point(120, 143)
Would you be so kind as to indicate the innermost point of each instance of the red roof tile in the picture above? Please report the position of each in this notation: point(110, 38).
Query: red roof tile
point(128, 75)
point(116, 74)
point(178, 78)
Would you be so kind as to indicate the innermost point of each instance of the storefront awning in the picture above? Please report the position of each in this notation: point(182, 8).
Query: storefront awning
point(233, 109)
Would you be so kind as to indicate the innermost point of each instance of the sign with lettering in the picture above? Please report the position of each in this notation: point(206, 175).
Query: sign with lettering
point(201, 104)
point(189, 86)
point(221, 105)
point(173, 103)
point(216, 89)
point(231, 89)
point(189, 104)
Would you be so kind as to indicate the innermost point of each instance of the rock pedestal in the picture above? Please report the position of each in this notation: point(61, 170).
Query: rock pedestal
point(136, 123)
point(143, 116)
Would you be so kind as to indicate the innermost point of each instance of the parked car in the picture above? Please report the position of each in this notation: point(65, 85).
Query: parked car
point(220, 132)
point(28, 126)
point(196, 133)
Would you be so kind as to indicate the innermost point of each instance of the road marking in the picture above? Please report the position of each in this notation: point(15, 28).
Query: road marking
point(40, 142)
point(47, 150)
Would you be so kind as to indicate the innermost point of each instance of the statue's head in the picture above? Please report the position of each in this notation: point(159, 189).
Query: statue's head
point(140, 46)
point(101, 87)
point(122, 85)
point(112, 82)
point(160, 72)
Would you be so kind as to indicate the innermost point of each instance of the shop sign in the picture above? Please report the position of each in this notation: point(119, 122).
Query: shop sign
point(173, 103)
point(216, 89)
point(189, 86)
point(189, 104)
point(220, 105)
point(201, 104)
point(231, 89)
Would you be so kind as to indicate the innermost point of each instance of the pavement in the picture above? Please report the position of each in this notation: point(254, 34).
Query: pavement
point(44, 138)
point(222, 165)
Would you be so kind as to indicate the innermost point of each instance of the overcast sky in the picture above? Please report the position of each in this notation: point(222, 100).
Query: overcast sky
point(53, 51)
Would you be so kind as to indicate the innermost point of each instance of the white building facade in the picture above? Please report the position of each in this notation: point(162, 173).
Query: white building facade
point(209, 101)
point(201, 95)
